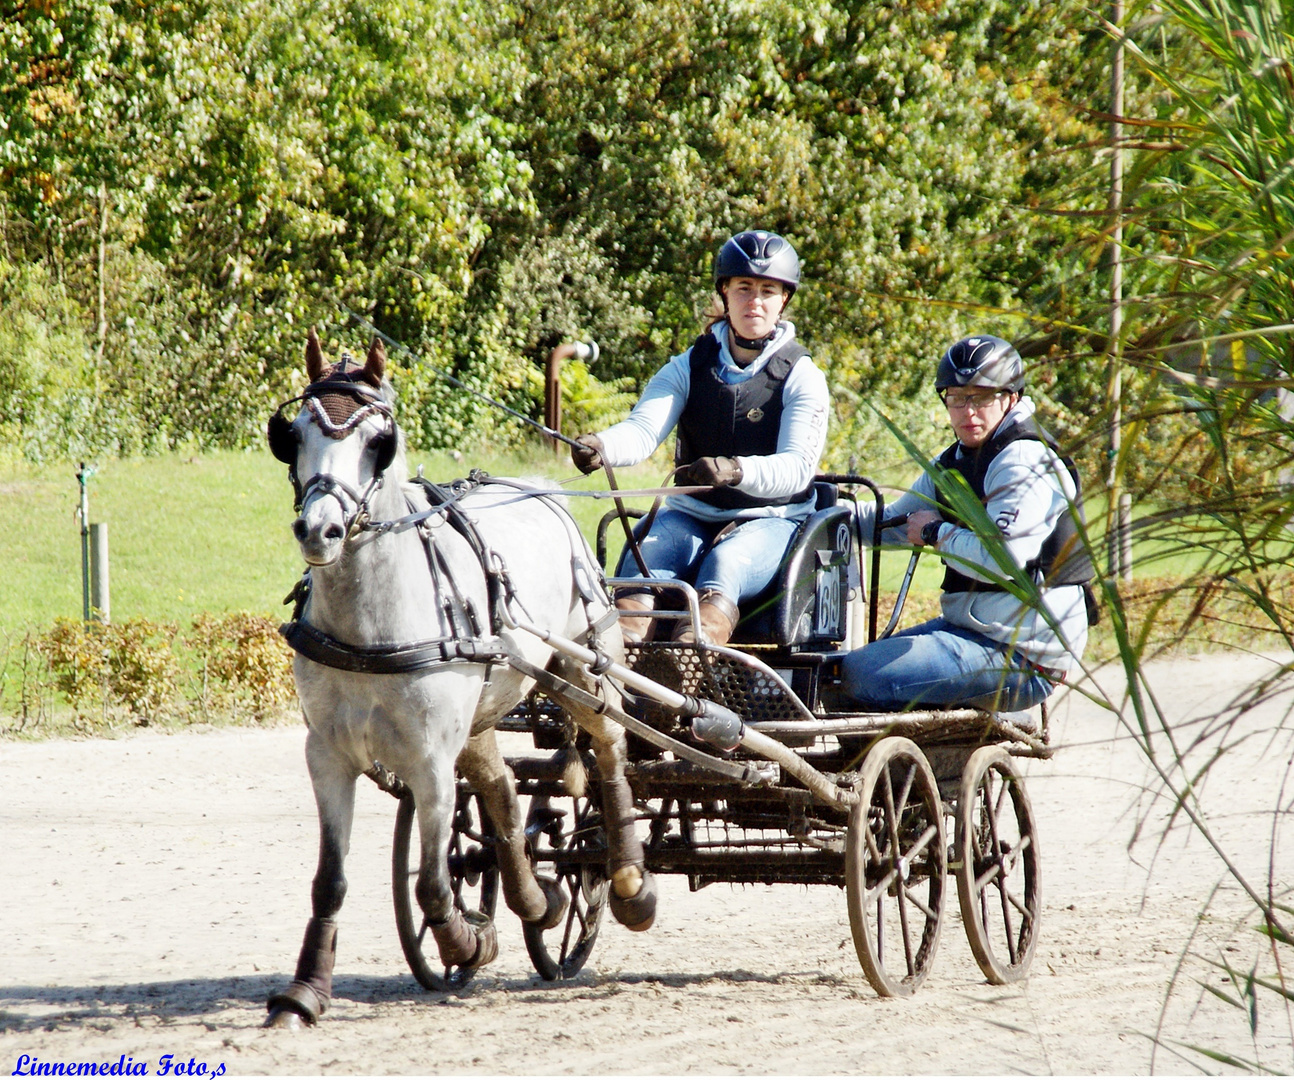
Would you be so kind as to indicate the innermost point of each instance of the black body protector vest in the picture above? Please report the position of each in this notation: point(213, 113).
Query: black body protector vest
point(1062, 560)
point(735, 419)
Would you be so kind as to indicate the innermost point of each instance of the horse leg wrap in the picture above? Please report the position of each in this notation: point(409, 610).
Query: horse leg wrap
point(633, 890)
point(524, 895)
point(310, 991)
point(463, 943)
point(557, 904)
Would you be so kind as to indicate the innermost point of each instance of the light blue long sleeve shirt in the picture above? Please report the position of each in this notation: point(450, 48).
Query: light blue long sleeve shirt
point(800, 440)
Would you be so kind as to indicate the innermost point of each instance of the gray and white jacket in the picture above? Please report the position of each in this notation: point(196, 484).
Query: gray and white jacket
point(1029, 488)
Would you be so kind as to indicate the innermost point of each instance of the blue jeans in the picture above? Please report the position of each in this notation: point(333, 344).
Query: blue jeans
point(740, 564)
point(937, 663)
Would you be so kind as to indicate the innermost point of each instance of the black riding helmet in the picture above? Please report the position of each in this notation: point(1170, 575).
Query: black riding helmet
point(758, 254)
point(982, 360)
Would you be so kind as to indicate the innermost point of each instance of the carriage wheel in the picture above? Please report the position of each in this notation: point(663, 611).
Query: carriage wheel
point(896, 863)
point(996, 849)
point(473, 875)
point(561, 952)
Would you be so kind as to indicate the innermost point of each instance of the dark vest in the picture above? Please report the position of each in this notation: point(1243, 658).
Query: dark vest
point(1062, 560)
point(735, 419)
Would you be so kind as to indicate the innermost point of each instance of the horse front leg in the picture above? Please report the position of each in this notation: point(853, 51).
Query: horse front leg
point(460, 942)
point(310, 991)
point(633, 889)
point(531, 898)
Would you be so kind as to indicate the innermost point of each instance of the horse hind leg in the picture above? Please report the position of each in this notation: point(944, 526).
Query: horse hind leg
point(531, 898)
point(307, 996)
point(633, 889)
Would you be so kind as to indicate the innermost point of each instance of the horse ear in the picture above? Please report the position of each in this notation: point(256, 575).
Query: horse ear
point(315, 366)
point(375, 365)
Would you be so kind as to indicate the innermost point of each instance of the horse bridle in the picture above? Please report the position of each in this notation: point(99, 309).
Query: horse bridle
point(285, 446)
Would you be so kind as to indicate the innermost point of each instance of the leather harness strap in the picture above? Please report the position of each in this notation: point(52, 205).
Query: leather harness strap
point(466, 643)
point(315, 645)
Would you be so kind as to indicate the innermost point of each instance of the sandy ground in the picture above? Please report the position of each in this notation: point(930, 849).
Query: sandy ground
point(157, 887)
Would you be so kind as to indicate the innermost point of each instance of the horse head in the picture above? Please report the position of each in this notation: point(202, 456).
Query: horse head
point(338, 448)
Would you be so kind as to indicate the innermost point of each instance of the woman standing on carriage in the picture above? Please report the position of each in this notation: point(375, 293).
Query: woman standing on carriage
point(750, 407)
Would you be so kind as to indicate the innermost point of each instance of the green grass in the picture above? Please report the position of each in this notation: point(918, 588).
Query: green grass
point(190, 534)
point(210, 533)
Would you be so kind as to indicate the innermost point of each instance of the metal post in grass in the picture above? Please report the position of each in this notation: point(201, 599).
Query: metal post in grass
point(1119, 536)
point(83, 476)
point(100, 602)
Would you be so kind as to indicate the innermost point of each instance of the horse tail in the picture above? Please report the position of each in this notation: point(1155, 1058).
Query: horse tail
point(575, 777)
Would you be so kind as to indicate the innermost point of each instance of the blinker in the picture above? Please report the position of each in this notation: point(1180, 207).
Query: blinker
point(384, 449)
point(282, 439)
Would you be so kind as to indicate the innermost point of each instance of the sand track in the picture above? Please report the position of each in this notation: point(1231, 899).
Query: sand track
point(157, 887)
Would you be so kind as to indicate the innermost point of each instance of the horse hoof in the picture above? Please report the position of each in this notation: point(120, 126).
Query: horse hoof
point(557, 904)
point(637, 912)
point(288, 1019)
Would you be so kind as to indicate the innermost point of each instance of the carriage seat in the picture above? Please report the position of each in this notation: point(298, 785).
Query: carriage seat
point(807, 602)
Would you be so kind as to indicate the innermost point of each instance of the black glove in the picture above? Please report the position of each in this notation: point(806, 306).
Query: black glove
point(587, 454)
point(715, 471)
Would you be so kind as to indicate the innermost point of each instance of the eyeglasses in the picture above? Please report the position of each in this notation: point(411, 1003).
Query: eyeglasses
point(962, 399)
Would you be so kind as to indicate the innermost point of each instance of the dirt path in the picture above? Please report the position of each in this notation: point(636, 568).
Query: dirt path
point(157, 887)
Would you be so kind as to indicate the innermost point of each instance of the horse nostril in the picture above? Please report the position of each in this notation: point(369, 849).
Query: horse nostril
point(334, 532)
point(300, 529)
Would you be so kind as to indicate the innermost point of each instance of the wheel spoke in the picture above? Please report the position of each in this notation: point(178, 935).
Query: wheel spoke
point(879, 890)
point(1002, 790)
point(880, 929)
point(903, 928)
point(921, 843)
point(872, 850)
point(982, 883)
point(902, 800)
point(1018, 904)
point(926, 910)
point(1006, 923)
point(995, 840)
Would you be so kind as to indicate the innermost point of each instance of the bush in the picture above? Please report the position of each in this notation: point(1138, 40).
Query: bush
point(244, 657)
point(129, 665)
point(143, 672)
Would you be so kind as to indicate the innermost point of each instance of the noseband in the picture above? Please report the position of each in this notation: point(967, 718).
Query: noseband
point(338, 404)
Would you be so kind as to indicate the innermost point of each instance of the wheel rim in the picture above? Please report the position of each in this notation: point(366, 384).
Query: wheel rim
point(474, 879)
point(999, 888)
point(896, 867)
point(561, 952)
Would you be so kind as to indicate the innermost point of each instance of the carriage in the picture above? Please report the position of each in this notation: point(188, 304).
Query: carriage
point(781, 782)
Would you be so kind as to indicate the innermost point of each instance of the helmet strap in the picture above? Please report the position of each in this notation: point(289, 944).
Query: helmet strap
point(751, 343)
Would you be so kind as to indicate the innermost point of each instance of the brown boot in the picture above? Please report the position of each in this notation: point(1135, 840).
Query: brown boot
point(635, 630)
point(718, 619)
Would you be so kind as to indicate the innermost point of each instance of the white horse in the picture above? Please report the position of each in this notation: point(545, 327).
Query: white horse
point(402, 637)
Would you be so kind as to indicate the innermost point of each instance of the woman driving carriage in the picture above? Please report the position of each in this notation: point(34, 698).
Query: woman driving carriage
point(989, 649)
point(751, 411)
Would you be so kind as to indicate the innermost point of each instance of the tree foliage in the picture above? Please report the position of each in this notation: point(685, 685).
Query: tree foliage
point(484, 181)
